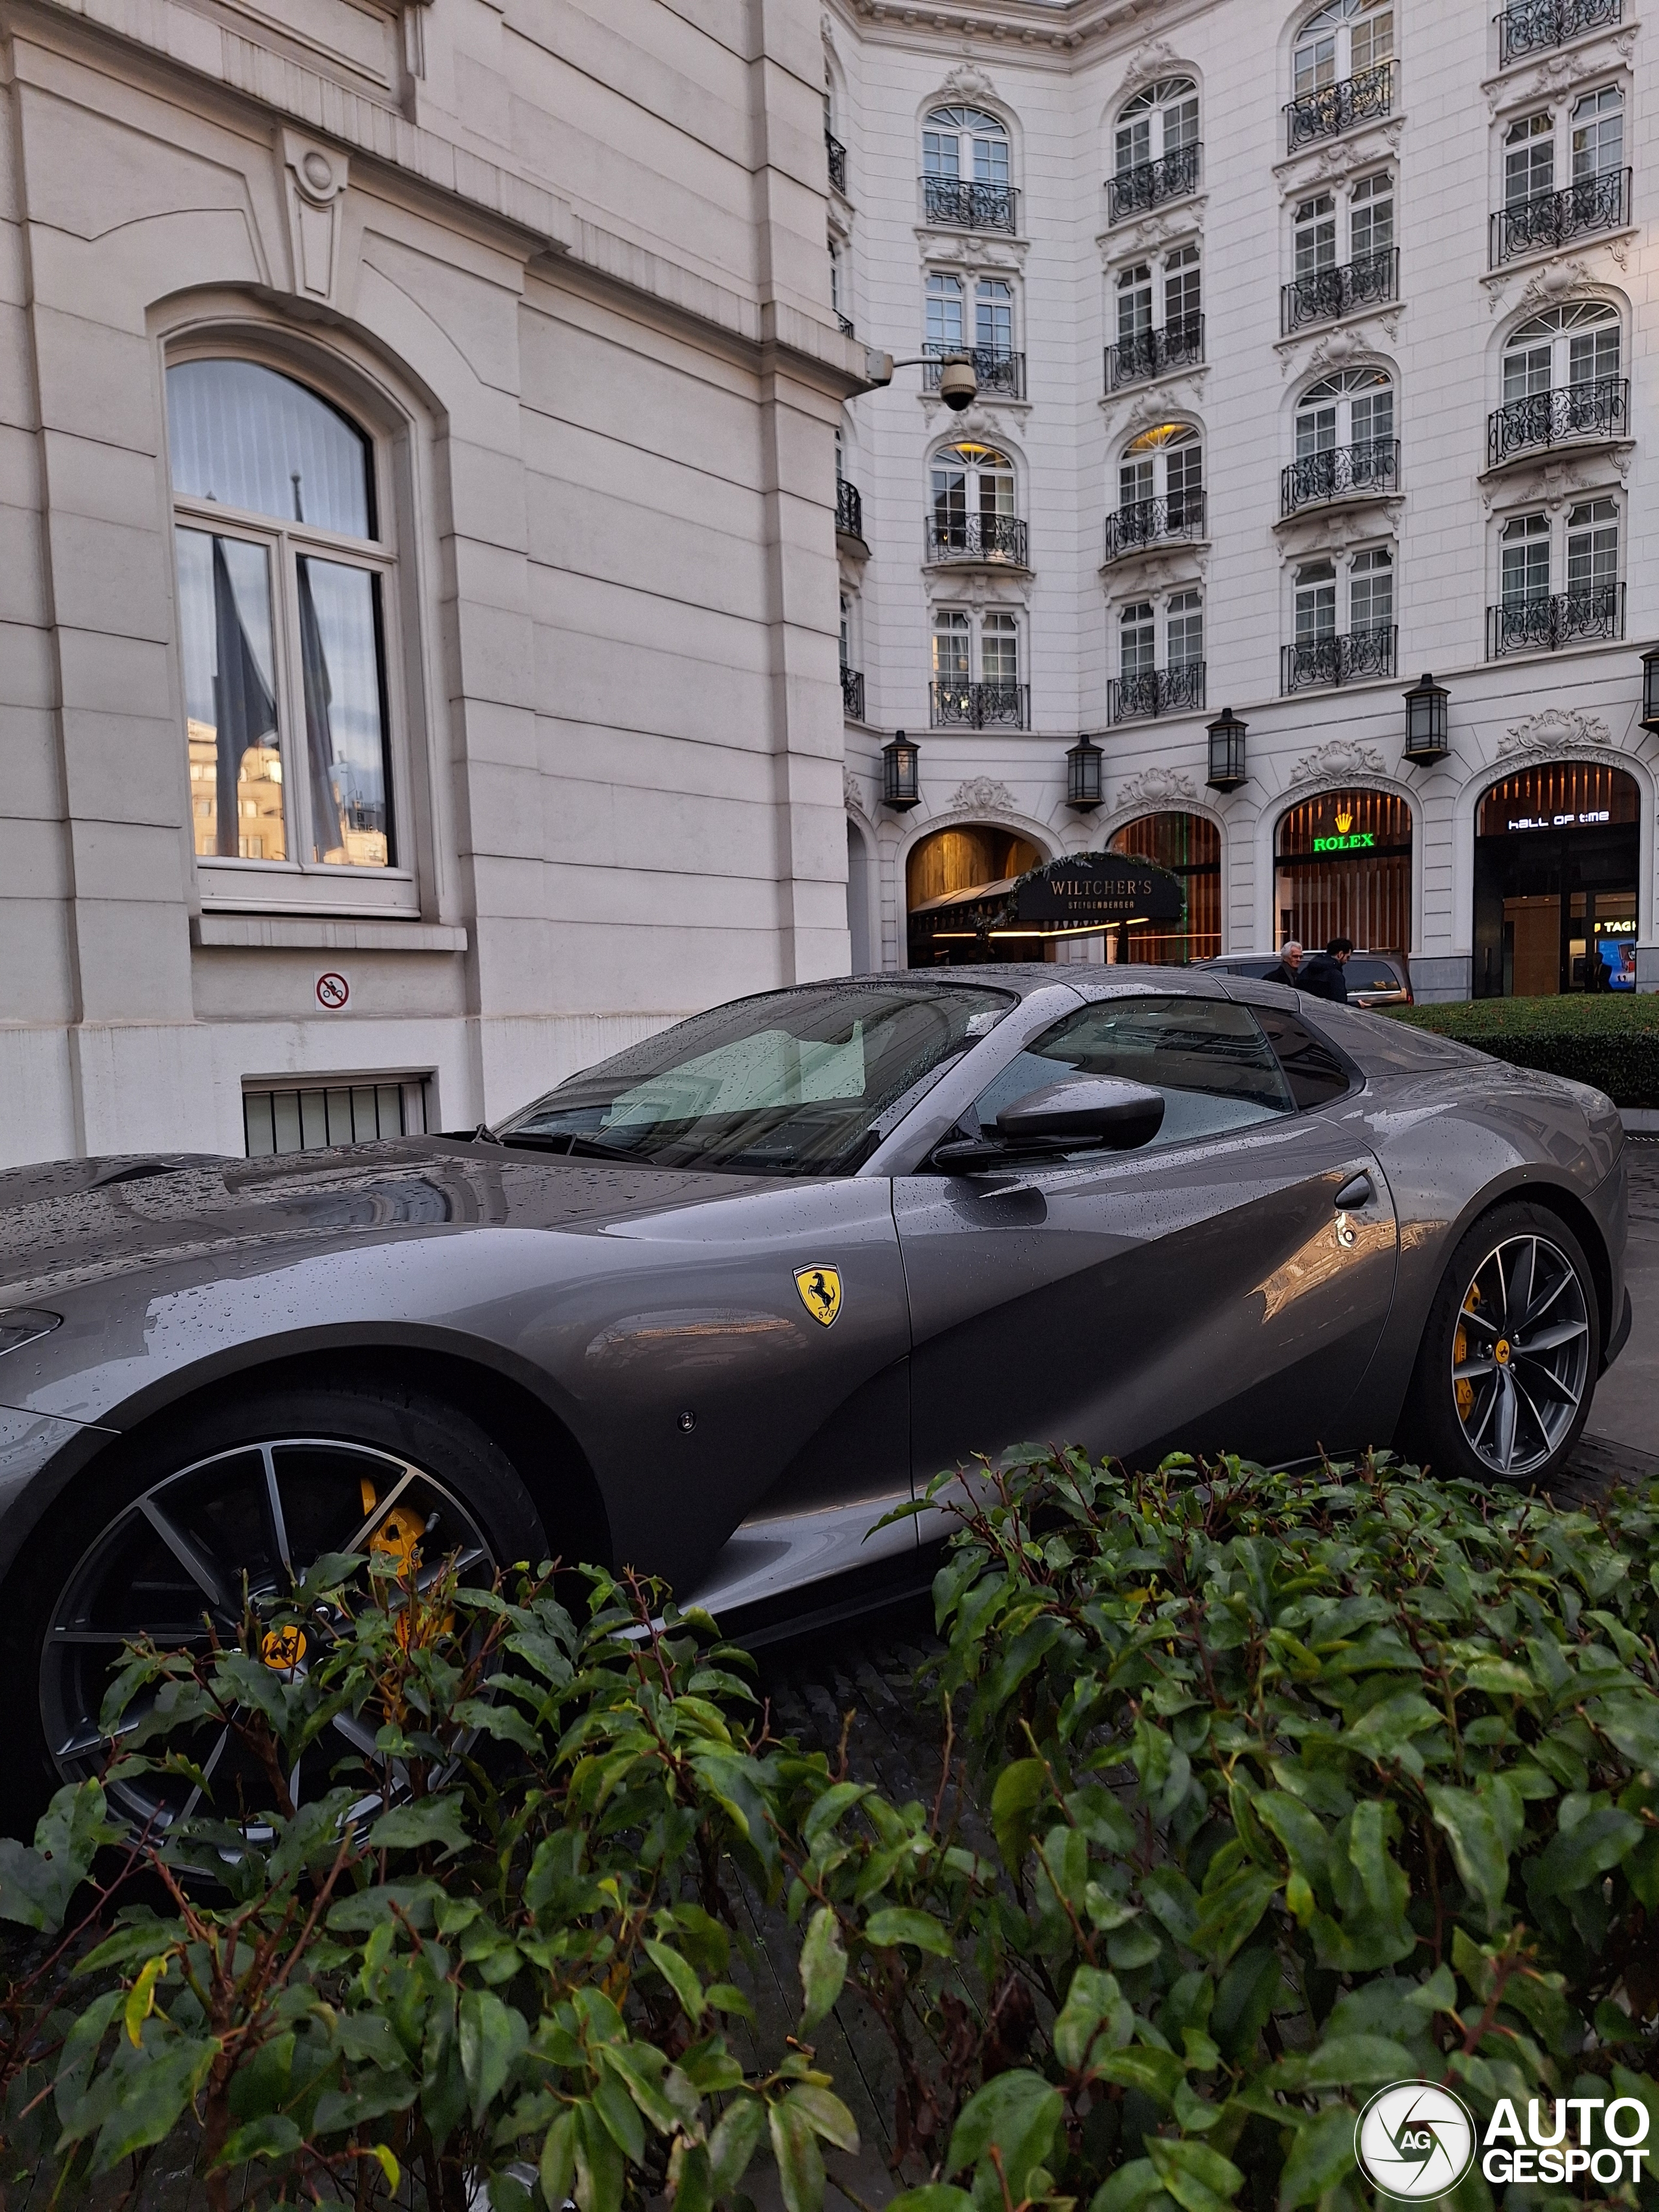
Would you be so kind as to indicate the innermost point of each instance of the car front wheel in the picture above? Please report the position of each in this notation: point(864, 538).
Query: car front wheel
point(162, 1542)
point(1511, 1355)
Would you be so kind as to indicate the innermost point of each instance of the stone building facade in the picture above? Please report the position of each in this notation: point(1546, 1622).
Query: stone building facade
point(417, 599)
point(1314, 353)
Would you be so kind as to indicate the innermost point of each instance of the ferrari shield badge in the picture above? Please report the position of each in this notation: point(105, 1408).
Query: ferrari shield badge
point(820, 1291)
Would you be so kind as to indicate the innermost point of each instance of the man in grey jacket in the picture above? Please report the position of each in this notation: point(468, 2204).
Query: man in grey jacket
point(1322, 977)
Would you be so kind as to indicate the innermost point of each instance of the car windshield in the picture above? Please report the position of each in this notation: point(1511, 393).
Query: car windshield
point(793, 1083)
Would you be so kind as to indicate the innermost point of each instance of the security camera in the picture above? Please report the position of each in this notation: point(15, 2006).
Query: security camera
point(958, 387)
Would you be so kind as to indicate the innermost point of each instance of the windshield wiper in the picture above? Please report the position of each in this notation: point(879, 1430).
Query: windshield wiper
point(567, 1141)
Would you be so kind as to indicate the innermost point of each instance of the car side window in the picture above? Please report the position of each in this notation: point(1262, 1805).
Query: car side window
point(1208, 1057)
point(1314, 1073)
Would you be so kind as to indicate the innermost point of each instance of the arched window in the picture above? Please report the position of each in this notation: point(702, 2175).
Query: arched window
point(972, 511)
point(1561, 379)
point(1160, 488)
point(1162, 119)
point(1189, 846)
point(283, 575)
point(965, 172)
point(1345, 438)
point(1345, 39)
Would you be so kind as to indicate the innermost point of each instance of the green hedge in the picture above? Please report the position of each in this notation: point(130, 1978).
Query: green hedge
point(1611, 1040)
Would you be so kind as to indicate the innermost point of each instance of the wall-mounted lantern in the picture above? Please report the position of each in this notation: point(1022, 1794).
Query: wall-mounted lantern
point(1083, 776)
point(1426, 738)
point(1227, 770)
point(901, 773)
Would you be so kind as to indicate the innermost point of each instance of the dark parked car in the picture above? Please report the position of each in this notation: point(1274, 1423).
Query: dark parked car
point(715, 1307)
point(1374, 979)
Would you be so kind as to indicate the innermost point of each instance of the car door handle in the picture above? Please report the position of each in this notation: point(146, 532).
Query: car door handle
point(1358, 1190)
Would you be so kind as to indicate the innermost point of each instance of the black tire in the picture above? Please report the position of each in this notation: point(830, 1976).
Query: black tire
point(195, 1466)
point(1536, 1346)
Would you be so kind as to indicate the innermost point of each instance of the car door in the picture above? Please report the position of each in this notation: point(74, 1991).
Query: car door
point(1222, 1288)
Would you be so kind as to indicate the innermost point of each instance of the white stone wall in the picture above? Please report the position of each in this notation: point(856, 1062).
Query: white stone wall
point(1058, 77)
point(563, 258)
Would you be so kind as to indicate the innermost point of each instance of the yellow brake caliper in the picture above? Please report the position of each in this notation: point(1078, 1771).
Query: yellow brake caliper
point(1462, 1389)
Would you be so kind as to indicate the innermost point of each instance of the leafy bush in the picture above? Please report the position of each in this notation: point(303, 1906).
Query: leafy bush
point(1610, 1039)
point(1272, 1788)
point(1302, 1784)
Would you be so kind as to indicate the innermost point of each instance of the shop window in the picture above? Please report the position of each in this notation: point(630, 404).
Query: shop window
point(1343, 864)
point(283, 577)
point(1557, 862)
point(952, 862)
point(302, 1120)
point(1190, 846)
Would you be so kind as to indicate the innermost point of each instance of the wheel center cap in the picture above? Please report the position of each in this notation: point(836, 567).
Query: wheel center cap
point(1500, 1352)
point(282, 1649)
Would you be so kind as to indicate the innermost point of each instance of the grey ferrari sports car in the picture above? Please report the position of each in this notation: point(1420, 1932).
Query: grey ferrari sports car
point(713, 1307)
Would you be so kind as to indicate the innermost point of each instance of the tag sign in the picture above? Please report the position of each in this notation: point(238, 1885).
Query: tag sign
point(332, 990)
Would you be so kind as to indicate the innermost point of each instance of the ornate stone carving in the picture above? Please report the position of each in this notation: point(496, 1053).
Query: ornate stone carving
point(1151, 234)
point(982, 795)
point(1556, 730)
point(1319, 531)
point(969, 82)
point(1333, 160)
point(1555, 75)
point(851, 791)
point(1152, 58)
point(1342, 761)
point(1156, 787)
point(1552, 480)
point(315, 176)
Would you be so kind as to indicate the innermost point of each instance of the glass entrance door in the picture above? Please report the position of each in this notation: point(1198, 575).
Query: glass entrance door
point(1556, 857)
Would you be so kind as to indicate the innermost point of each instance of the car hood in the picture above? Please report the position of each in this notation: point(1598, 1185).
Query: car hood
point(68, 1223)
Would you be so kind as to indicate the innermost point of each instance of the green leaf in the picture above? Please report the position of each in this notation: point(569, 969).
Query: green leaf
point(1195, 2176)
point(1020, 1789)
point(492, 2036)
point(599, 2170)
point(1630, 1721)
point(823, 1966)
point(426, 1820)
point(1321, 2157)
point(1017, 2111)
point(800, 2161)
point(272, 2135)
point(1244, 2003)
point(899, 1923)
point(558, 2161)
point(825, 2115)
point(1157, 2072)
point(37, 1882)
point(1228, 1915)
point(932, 2197)
point(621, 2115)
point(1130, 2188)
point(1092, 1999)
point(1478, 1849)
point(733, 2143)
point(1582, 1855)
point(1347, 2061)
point(679, 1976)
point(154, 2094)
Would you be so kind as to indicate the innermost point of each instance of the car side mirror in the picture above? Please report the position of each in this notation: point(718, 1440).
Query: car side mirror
point(1091, 1111)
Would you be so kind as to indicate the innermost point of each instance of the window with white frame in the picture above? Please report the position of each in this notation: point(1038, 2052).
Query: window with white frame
point(1137, 633)
point(1343, 39)
point(1315, 234)
point(1528, 158)
point(1597, 124)
point(953, 648)
point(1182, 297)
point(976, 668)
point(1558, 578)
point(999, 649)
point(1583, 143)
point(1184, 630)
point(993, 316)
point(945, 297)
point(965, 144)
point(284, 566)
point(1370, 591)
point(1315, 601)
point(1147, 681)
point(1571, 345)
point(1371, 217)
point(1354, 408)
point(846, 632)
point(1165, 464)
point(1342, 619)
point(1159, 121)
point(1158, 306)
point(972, 504)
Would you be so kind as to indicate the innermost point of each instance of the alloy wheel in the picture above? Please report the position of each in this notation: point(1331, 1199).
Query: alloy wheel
point(1521, 1354)
point(172, 1566)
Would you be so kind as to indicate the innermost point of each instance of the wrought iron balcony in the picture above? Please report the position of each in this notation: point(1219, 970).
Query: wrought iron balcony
point(980, 706)
point(1152, 521)
point(1337, 107)
point(964, 205)
point(1577, 210)
point(1149, 184)
point(1150, 353)
point(1598, 408)
point(852, 694)
point(1545, 620)
point(1340, 472)
point(835, 155)
point(999, 375)
point(1156, 691)
point(1314, 664)
point(1528, 27)
point(998, 538)
point(1324, 293)
point(849, 510)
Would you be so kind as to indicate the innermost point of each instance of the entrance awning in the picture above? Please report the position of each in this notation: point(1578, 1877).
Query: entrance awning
point(1078, 896)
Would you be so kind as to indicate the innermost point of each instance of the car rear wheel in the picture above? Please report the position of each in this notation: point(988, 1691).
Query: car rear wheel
point(1511, 1355)
point(160, 1541)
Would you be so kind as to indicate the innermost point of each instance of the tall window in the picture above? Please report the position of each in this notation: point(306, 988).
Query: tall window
point(1598, 133)
point(972, 484)
point(999, 649)
point(1344, 39)
point(977, 676)
point(1354, 408)
point(1371, 217)
point(993, 315)
point(952, 647)
point(1572, 345)
point(1184, 630)
point(1370, 591)
point(1168, 464)
point(1161, 120)
point(1315, 234)
point(1146, 684)
point(1182, 295)
point(1525, 559)
point(281, 576)
point(1137, 634)
point(1315, 601)
point(965, 143)
point(1593, 546)
point(1529, 159)
point(1134, 303)
point(944, 313)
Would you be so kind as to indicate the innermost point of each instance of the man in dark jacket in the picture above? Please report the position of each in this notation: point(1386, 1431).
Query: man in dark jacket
point(1290, 959)
point(1322, 977)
